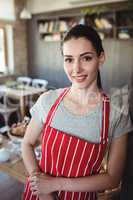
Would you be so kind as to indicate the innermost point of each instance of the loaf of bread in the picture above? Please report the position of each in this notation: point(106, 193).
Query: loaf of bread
point(18, 130)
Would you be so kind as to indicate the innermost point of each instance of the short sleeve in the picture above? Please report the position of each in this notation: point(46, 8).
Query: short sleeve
point(123, 125)
point(38, 111)
point(120, 122)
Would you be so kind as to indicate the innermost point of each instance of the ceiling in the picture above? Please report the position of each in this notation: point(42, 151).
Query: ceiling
point(41, 6)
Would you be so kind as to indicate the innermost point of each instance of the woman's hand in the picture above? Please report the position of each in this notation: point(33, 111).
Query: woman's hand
point(41, 184)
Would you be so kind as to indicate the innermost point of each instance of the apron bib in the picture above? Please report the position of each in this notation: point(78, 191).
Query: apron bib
point(64, 155)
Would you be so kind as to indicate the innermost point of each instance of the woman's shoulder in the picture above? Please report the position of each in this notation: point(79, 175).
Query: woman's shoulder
point(118, 107)
point(115, 105)
point(119, 103)
point(120, 122)
point(43, 105)
point(50, 96)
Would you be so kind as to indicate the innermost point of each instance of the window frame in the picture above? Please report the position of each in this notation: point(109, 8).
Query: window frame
point(5, 47)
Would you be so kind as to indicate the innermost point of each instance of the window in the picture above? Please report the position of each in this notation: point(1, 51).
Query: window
point(3, 52)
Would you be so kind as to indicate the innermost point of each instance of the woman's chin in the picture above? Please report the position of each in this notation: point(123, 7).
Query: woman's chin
point(80, 85)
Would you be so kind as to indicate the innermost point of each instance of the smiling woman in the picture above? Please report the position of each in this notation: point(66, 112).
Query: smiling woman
point(77, 124)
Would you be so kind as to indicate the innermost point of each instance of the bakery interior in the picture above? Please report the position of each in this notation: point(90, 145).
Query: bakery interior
point(31, 63)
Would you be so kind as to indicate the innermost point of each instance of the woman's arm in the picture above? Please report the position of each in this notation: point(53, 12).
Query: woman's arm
point(31, 136)
point(108, 180)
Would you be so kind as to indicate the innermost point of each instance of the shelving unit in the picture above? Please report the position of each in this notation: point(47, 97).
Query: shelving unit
point(54, 29)
point(116, 24)
point(124, 24)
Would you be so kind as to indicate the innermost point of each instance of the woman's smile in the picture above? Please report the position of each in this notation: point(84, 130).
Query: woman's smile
point(80, 78)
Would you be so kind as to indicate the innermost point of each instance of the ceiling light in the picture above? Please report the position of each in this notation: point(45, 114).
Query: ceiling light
point(25, 13)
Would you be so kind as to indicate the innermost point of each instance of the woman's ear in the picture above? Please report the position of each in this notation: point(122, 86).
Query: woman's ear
point(102, 58)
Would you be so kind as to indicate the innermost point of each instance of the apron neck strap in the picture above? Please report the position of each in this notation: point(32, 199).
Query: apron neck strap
point(55, 105)
point(105, 118)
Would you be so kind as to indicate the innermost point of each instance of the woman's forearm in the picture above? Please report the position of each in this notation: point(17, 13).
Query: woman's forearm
point(91, 183)
point(46, 197)
point(29, 158)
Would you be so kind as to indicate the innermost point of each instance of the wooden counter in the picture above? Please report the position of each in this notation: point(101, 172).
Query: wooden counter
point(14, 167)
point(16, 170)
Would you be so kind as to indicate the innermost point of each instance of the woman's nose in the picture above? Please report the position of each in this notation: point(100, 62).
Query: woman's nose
point(76, 66)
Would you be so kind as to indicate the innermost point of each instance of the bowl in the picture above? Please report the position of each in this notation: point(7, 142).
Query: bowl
point(4, 155)
point(13, 138)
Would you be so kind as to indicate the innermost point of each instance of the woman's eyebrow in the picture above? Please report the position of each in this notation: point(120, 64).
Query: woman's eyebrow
point(86, 53)
point(68, 56)
point(82, 54)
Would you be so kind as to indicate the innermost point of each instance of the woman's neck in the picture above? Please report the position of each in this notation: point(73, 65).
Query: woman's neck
point(85, 96)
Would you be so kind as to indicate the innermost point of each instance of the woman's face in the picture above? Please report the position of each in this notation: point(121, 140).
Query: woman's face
point(81, 62)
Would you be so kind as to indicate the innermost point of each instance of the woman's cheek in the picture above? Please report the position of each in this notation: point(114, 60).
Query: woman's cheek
point(68, 70)
point(69, 76)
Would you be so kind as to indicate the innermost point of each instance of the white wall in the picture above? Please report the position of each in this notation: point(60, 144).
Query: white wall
point(7, 10)
point(39, 6)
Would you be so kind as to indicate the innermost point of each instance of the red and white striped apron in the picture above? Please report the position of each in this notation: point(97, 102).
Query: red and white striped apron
point(64, 155)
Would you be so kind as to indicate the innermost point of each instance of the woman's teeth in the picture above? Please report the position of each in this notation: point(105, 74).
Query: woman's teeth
point(79, 78)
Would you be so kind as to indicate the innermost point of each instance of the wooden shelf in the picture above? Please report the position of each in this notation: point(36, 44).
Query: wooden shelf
point(112, 24)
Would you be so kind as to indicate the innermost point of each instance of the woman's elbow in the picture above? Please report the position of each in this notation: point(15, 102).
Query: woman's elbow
point(114, 182)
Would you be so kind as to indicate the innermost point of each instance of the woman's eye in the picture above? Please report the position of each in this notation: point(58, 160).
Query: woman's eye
point(68, 60)
point(87, 58)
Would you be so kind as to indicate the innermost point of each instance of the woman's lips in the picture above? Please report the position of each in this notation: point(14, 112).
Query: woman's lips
point(80, 78)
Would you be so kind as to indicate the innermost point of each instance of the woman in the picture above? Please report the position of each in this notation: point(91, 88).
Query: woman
point(77, 124)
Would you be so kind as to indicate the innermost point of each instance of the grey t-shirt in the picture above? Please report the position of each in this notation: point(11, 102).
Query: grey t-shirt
point(86, 126)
